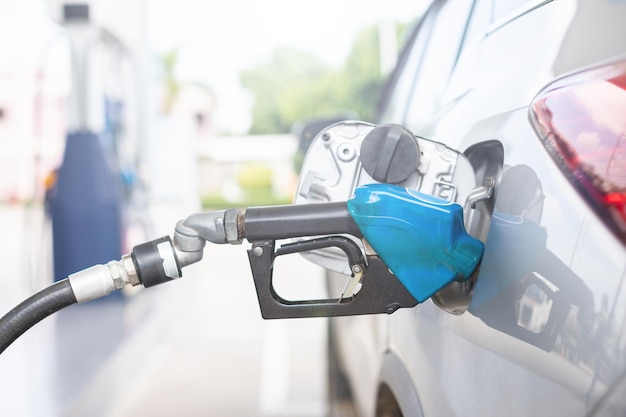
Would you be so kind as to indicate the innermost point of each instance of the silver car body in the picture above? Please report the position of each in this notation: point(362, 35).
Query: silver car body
point(544, 334)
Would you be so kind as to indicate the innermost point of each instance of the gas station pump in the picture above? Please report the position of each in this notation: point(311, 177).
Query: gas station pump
point(388, 209)
point(86, 206)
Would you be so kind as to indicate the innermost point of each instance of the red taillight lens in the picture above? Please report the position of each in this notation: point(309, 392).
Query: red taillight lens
point(581, 120)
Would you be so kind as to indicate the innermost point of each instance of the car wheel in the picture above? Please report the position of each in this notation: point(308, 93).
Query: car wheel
point(386, 403)
point(339, 394)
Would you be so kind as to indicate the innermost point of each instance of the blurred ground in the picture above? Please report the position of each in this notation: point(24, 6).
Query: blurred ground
point(196, 347)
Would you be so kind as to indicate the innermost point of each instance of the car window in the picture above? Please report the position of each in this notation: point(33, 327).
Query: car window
point(461, 79)
point(437, 62)
point(480, 19)
point(506, 8)
point(399, 91)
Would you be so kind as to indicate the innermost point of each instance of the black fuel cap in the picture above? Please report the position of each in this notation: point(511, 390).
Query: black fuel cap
point(389, 154)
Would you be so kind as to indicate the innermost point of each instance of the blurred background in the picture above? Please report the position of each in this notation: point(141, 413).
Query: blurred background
point(118, 118)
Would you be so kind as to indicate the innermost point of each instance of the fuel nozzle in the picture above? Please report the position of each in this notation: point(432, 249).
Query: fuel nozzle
point(416, 245)
point(421, 238)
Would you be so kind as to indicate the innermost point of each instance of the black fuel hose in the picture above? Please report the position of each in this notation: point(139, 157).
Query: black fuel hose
point(34, 309)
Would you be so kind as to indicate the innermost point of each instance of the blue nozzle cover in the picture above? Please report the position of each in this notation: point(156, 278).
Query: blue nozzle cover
point(420, 238)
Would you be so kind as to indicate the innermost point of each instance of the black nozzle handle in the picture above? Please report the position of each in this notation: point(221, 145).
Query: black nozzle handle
point(281, 222)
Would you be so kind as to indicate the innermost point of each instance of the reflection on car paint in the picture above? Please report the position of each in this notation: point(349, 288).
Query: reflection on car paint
point(527, 292)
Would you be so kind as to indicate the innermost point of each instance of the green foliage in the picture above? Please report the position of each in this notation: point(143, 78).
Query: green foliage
point(255, 176)
point(362, 74)
point(288, 70)
point(218, 202)
point(255, 180)
point(172, 85)
point(294, 85)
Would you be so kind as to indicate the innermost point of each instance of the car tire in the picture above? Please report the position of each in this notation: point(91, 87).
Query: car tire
point(397, 396)
point(386, 403)
point(339, 394)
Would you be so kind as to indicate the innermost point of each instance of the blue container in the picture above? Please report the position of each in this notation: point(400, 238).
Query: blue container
point(85, 208)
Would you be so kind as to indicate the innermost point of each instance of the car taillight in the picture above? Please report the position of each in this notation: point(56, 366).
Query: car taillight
point(581, 120)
